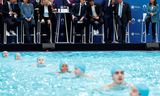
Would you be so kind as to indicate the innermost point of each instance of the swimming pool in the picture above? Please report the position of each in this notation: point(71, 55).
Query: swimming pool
point(20, 78)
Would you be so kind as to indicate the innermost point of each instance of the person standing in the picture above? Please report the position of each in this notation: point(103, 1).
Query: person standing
point(123, 17)
point(108, 8)
point(1, 22)
point(152, 17)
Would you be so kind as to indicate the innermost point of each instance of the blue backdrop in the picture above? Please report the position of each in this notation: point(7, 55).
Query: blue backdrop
point(135, 29)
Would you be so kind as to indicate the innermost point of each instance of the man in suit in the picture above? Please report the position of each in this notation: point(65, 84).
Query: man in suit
point(79, 12)
point(108, 9)
point(95, 15)
point(123, 16)
point(11, 12)
point(45, 17)
point(1, 22)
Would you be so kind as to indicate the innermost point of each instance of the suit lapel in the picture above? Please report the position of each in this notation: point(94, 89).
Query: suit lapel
point(123, 9)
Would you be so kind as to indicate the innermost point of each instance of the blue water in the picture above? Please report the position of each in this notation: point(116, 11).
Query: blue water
point(21, 78)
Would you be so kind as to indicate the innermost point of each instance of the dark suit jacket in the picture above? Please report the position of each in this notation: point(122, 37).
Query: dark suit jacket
point(0, 8)
point(5, 10)
point(75, 10)
point(42, 11)
point(126, 13)
point(97, 9)
point(107, 10)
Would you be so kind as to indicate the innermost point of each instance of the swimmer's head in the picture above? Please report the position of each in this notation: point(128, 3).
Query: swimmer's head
point(117, 74)
point(40, 60)
point(79, 69)
point(18, 56)
point(140, 90)
point(63, 67)
point(5, 54)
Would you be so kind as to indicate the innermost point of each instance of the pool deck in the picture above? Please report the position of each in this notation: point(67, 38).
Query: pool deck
point(80, 47)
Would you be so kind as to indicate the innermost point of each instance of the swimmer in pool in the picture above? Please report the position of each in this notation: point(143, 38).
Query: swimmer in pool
point(118, 80)
point(64, 68)
point(18, 56)
point(80, 70)
point(5, 54)
point(41, 62)
point(140, 90)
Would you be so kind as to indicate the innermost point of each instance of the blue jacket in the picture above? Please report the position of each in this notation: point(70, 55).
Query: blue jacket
point(155, 11)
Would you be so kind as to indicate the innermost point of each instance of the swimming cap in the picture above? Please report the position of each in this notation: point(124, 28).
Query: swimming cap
point(60, 65)
point(142, 89)
point(115, 68)
point(81, 67)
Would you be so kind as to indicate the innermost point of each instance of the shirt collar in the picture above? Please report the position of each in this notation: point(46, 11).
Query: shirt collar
point(121, 3)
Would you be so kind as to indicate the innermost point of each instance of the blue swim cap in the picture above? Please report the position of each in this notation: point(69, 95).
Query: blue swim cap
point(143, 90)
point(81, 67)
point(115, 68)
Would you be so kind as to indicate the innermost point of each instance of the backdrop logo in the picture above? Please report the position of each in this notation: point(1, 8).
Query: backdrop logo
point(133, 20)
point(144, 7)
point(135, 7)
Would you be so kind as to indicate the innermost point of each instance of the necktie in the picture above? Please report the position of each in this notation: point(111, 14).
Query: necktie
point(120, 10)
point(79, 14)
point(109, 2)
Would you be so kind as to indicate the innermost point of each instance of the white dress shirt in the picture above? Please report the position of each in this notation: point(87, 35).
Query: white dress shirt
point(46, 12)
point(94, 11)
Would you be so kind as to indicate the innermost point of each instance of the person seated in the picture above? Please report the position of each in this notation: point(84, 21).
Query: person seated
point(11, 13)
point(27, 11)
point(78, 12)
point(45, 17)
point(95, 16)
point(140, 90)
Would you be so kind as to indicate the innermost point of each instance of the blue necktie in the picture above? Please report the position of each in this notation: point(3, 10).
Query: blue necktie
point(120, 10)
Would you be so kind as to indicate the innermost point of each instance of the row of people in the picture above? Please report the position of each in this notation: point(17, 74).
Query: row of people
point(111, 13)
point(117, 74)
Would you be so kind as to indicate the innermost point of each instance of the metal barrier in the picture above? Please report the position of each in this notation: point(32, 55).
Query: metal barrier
point(91, 36)
point(58, 27)
point(5, 35)
point(39, 35)
point(157, 32)
point(143, 29)
point(127, 37)
point(73, 34)
point(33, 35)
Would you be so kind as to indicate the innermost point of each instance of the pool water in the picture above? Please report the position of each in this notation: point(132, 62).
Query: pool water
point(22, 78)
